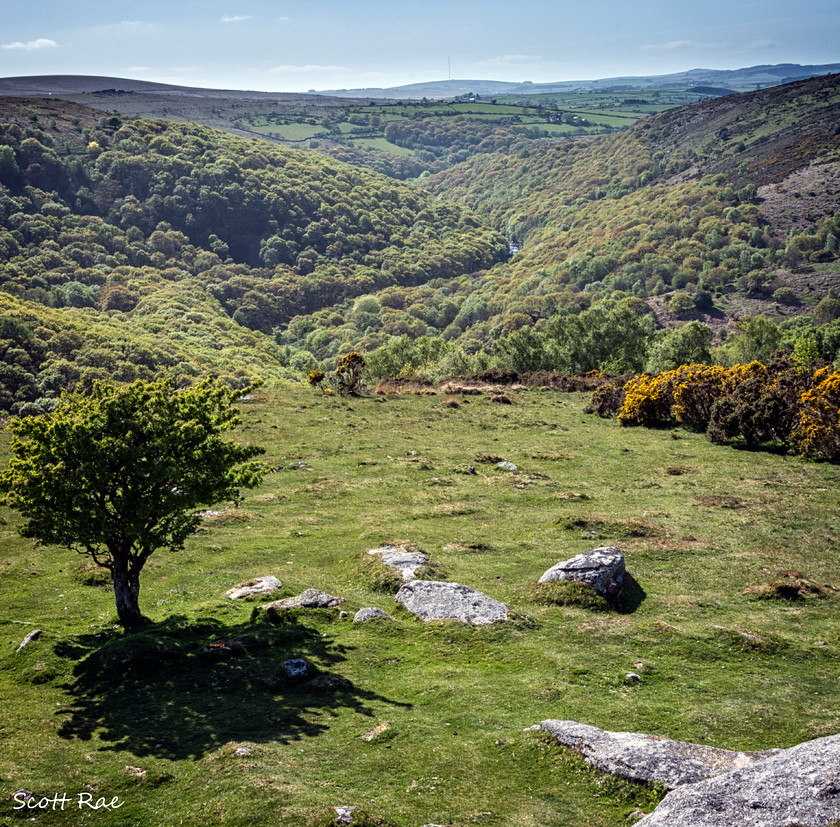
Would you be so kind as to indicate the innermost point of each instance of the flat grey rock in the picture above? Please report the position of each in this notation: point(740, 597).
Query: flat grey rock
point(433, 600)
point(258, 585)
point(369, 613)
point(308, 599)
point(796, 787)
point(602, 569)
point(508, 466)
point(407, 562)
point(648, 757)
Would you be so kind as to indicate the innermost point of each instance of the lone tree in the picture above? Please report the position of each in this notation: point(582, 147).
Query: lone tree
point(121, 472)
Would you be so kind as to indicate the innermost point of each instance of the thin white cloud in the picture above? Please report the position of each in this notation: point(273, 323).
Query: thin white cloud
point(682, 46)
point(764, 44)
point(235, 18)
point(31, 45)
point(284, 19)
point(513, 59)
point(310, 67)
point(139, 69)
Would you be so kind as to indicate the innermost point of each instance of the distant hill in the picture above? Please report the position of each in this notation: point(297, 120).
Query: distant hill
point(39, 85)
point(723, 80)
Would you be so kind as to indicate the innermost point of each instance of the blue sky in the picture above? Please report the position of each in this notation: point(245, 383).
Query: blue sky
point(295, 45)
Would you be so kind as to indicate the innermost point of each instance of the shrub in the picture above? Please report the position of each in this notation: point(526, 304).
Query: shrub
point(680, 304)
point(695, 389)
point(348, 372)
point(607, 399)
point(785, 295)
point(817, 430)
point(647, 401)
point(316, 377)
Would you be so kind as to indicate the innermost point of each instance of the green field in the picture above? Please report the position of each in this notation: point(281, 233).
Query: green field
point(153, 719)
point(602, 110)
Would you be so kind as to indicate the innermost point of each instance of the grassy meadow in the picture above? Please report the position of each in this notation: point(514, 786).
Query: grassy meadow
point(413, 722)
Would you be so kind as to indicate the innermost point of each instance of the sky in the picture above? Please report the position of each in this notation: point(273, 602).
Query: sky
point(297, 45)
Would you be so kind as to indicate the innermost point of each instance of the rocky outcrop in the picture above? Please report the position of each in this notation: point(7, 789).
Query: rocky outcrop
point(405, 560)
point(433, 600)
point(259, 585)
point(648, 757)
point(797, 786)
point(308, 599)
point(369, 613)
point(709, 787)
point(602, 569)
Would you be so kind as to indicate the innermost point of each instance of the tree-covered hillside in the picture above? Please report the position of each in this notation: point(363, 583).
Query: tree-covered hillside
point(198, 245)
point(157, 224)
point(709, 212)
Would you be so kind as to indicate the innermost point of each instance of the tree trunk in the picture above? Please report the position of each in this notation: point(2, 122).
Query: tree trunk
point(127, 591)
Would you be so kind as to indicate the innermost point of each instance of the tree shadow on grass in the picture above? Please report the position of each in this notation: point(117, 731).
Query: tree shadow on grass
point(180, 688)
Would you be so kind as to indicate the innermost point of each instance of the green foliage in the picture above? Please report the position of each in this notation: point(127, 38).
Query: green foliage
point(121, 472)
point(681, 304)
point(756, 340)
point(686, 345)
point(609, 336)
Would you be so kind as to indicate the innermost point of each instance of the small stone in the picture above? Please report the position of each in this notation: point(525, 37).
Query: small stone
point(258, 585)
point(404, 559)
point(344, 815)
point(33, 635)
point(633, 677)
point(295, 668)
point(375, 732)
point(508, 466)
point(242, 751)
point(369, 613)
point(342, 615)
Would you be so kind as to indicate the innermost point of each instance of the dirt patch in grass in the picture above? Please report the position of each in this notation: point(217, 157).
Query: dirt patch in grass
point(454, 509)
point(227, 516)
point(790, 585)
point(720, 501)
point(572, 495)
point(604, 527)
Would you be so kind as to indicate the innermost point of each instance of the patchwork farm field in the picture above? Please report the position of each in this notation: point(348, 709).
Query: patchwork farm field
point(729, 617)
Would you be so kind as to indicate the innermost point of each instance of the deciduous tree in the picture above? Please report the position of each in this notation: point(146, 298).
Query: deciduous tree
point(122, 472)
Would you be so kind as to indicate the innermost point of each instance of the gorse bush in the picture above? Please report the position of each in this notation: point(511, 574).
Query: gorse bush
point(779, 404)
point(817, 429)
point(647, 401)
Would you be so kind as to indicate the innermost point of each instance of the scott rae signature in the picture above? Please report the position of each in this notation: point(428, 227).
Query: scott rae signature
point(26, 800)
